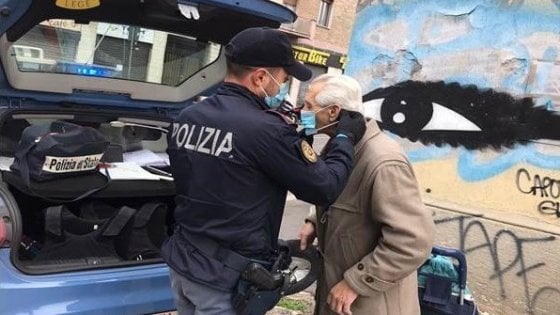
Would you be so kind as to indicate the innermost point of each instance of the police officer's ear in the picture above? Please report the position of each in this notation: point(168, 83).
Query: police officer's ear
point(333, 112)
point(259, 77)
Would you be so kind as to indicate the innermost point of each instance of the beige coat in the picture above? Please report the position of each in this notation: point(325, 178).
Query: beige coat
point(377, 233)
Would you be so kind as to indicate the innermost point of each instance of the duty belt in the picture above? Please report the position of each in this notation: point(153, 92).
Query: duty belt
point(213, 249)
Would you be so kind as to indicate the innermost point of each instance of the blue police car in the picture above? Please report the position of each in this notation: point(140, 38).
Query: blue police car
point(124, 68)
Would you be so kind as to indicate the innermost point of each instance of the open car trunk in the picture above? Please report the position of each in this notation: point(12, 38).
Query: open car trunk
point(137, 204)
point(135, 62)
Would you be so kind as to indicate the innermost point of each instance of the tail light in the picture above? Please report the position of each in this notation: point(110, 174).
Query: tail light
point(6, 220)
point(2, 232)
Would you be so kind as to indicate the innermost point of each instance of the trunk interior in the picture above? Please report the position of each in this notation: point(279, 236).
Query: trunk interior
point(122, 224)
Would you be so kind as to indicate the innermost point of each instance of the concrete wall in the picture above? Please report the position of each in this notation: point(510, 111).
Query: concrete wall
point(472, 90)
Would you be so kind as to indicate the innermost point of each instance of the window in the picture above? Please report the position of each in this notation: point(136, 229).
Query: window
point(325, 13)
point(112, 51)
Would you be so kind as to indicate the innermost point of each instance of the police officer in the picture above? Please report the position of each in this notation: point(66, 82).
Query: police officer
point(233, 159)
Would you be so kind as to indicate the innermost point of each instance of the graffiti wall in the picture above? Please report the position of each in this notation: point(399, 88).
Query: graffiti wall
point(511, 271)
point(471, 88)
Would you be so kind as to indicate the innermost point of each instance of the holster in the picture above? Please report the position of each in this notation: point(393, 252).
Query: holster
point(248, 300)
point(261, 278)
point(259, 289)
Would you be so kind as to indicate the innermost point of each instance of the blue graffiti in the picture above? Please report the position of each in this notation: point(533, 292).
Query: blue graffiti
point(427, 154)
point(471, 169)
point(507, 27)
point(544, 72)
point(516, 81)
point(424, 153)
point(492, 27)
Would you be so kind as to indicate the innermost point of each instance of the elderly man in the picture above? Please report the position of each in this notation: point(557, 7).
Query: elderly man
point(378, 232)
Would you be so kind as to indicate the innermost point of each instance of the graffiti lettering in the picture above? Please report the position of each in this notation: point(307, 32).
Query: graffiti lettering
point(504, 243)
point(549, 207)
point(543, 292)
point(546, 187)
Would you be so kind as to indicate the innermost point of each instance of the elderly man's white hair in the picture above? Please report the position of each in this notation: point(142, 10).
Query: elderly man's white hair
point(339, 89)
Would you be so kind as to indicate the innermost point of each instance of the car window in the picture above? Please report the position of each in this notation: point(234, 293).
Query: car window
point(110, 50)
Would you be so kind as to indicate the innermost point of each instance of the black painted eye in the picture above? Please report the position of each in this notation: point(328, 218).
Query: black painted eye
point(444, 118)
point(450, 114)
point(406, 114)
point(409, 115)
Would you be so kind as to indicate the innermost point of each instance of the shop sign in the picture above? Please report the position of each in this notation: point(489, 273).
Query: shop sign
point(319, 57)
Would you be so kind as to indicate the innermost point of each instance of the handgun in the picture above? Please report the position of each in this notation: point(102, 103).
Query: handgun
point(261, 278)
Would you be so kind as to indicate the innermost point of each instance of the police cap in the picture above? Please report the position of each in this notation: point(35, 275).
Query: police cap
point(265, 47)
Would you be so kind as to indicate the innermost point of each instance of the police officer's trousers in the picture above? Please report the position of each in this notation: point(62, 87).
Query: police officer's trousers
point(192, 298)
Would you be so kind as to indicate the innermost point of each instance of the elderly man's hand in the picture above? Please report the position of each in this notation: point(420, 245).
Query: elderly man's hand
point(352, 125)
point(341, 297)
point(306, 235)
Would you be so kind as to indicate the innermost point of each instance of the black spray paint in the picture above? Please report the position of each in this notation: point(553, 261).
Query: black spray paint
point(502, 120)
point(542, 187)
point(473, 229)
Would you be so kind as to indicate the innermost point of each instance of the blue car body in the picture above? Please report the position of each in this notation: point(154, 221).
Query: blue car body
point(130, 290)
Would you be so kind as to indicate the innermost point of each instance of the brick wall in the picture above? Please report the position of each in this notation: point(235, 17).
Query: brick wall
point(337, 35)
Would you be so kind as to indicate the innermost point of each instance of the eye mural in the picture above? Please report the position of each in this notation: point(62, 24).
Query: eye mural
point(471, 91)
point(442, 113)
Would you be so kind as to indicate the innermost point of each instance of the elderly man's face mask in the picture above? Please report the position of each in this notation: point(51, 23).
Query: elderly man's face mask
point(308, 121)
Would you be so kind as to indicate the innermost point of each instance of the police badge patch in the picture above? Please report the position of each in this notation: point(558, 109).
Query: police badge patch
point(307, 152)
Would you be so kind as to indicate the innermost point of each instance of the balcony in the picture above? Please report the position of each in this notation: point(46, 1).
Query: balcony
point(301, 28)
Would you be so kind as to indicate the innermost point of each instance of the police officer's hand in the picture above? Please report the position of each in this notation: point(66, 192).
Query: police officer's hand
point(351, 124)
point(306, 235)
point(307, 138)
point(286, 107)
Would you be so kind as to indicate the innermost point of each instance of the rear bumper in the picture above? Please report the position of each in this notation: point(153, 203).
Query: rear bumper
point(132, 290)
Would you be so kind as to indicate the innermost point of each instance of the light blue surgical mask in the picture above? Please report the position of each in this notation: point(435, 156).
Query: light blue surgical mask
point(276, 100)
point(308, 121)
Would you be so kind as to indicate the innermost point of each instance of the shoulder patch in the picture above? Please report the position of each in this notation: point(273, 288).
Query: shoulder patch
point(307, 152)
point(77, 4)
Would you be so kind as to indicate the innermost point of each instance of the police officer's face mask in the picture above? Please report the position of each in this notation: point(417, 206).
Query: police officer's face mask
point(276, 100)
point(308, 120)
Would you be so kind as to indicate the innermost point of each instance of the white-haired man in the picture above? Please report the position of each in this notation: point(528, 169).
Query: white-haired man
point(378, 232)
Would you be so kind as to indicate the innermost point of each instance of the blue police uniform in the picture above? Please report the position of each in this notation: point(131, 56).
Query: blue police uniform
point(233, 163)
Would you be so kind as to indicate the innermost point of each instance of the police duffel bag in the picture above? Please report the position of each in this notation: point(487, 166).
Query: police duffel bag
point(57, 150)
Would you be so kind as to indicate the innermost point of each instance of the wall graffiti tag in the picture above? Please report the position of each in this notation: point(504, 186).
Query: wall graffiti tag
point(503, 261)
point(540, 186)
